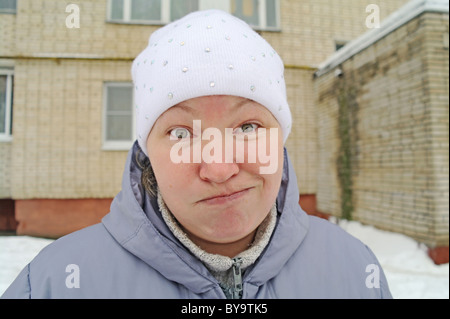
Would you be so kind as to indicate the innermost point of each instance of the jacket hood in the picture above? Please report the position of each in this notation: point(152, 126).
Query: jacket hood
point(135, 222)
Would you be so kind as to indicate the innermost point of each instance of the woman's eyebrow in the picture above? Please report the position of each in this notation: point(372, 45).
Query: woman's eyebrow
point(242, 103)
point(186, 108)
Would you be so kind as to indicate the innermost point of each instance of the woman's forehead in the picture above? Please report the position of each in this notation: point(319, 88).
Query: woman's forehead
point(212, 106)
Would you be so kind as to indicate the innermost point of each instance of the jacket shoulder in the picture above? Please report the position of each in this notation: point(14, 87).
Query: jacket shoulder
point(50, 269)
point(92, 241)
point(334, 264)
point(321, 229)
point(332, 242)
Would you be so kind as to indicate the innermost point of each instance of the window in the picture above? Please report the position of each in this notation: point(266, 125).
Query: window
point(6, 102)
point(339, 44)
point(8, 6)
point(118, 116)
point(260, 14)
point(178, 8)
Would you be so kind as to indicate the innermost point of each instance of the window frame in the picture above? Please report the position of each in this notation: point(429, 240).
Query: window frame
point(277, 27)
point(262, 17)
point(9, 11)
point(166, 6)
point(7, 135)
point(126, 15)
point(116, 145)
point(339, 44)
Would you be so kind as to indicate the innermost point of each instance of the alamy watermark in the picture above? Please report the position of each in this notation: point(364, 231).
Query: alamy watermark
point(73, 19)
point(373, 279)
point(73, 279)
point(373, 19)
point(212, 152)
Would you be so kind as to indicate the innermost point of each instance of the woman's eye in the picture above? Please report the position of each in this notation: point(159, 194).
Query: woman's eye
point(246, 128)
point(180, 133)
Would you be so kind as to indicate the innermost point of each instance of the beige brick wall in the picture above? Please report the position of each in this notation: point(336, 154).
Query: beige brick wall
point(397, 94)
point(437, 87)
point(7, 44)
point(41, 29)
point(57, 147)
point(301, 143)
point(5, 170)
point(7, 33)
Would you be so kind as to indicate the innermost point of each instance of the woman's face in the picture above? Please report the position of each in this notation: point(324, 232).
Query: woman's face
point(224, 200)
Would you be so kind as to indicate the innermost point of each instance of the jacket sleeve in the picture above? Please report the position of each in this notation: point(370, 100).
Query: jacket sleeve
point(20, 287)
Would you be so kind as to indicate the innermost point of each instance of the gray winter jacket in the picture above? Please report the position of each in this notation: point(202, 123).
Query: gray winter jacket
point(133, 254)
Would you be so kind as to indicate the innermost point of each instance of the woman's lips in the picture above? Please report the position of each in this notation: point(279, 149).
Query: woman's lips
point(223, 199)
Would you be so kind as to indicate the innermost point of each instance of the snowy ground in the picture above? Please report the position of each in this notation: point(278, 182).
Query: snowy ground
point(410, 273)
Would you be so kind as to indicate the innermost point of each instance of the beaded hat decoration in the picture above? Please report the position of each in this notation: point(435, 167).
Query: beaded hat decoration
point(207, 53)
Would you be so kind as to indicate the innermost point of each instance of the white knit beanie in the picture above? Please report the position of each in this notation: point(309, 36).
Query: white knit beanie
point(207, 53)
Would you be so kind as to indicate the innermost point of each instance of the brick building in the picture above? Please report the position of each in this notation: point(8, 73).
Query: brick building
point(383, 127)
point(67, 116)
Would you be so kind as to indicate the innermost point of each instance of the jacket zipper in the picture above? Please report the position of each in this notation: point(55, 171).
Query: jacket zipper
point(237, 276)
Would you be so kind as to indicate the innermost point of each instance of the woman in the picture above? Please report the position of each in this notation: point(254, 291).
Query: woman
point(209, 200)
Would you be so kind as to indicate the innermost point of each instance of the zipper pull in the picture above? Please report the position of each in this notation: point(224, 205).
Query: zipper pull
point(237, 276)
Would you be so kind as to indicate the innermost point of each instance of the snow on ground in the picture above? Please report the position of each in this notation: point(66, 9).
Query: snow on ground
point(15, 253)
point(409, 271)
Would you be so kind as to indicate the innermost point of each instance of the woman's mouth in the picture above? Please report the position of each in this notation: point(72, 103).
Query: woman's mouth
point(225, 198)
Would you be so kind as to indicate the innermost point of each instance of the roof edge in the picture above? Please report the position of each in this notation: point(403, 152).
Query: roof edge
point(394, 21)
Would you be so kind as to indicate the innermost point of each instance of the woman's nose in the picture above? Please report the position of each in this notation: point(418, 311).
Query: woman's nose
point(218, 172)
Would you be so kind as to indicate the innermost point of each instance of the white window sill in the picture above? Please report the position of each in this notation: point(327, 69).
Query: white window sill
point(137, 22)
point(8, 11)
point(6, 139)
point(161, 23)
point(117, 146)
